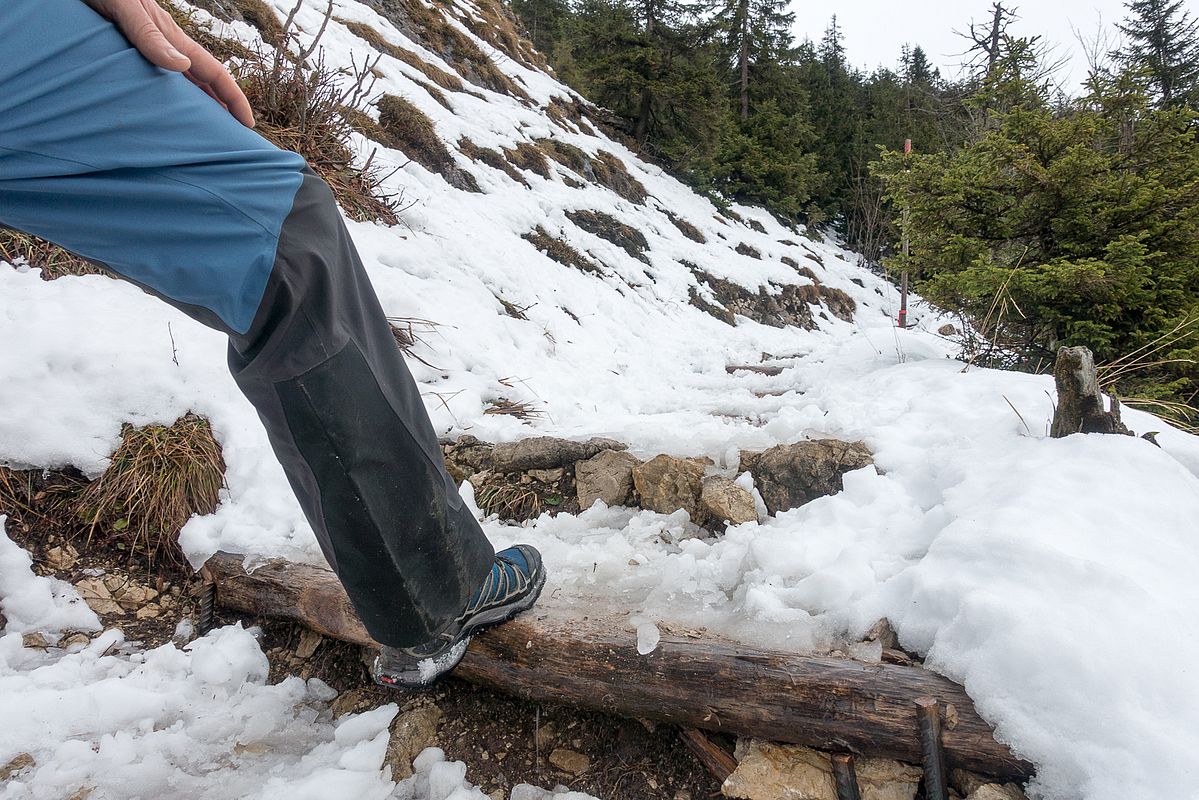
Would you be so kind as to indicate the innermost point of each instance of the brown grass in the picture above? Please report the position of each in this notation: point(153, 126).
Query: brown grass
point(749, 250)
point(497, 25)
point(790, 262)
point(409, 129)
point(605, 169)
point(159, 477)
point(301, 107)
point(608, 227)
point(262, 17)
point(690, 231)
point(41, 500)
point(431, 28)
point(559, 250)
point(407, 332)
point(52, 260)
point(224, 49)
point(438, 76)
point(528, 156)
point(521, 409)
point(492, 158)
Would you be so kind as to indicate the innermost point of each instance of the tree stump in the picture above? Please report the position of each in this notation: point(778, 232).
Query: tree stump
point(1079, 401)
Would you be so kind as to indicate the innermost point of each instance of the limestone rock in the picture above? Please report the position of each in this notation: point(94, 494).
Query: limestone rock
point(34, 641)
point(993, 791)
point(667, 484)
point(97, 596)
point(353, 701)
point(17, 763)
point(767, 771)
point(411, 732)
point(947, 330)
point(789, 475)
point(548, 475)
point(309, 641)
point(148, 611)
point(607, 476)
point(80, 639)
point(61, 559)
point(570, 761)
point(724, 500)
point(547, 452)
point(131, 594)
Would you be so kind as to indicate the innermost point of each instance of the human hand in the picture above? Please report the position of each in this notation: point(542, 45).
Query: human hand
point(150, 29)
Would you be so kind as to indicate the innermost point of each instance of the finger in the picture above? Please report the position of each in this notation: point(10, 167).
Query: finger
point(145, 33)
point(211, 75)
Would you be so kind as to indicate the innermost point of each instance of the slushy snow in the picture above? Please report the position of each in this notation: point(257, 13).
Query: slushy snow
point(1053, 578)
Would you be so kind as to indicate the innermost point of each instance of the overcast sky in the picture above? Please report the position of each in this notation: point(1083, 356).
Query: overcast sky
point(875, 30)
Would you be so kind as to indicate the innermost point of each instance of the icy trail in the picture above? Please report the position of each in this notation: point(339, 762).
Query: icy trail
point(1053, 578)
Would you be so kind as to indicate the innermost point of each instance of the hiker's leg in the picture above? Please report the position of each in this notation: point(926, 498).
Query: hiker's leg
point(137, 169)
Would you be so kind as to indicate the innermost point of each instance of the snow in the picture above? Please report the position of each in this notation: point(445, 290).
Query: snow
point(1052, 578)
point(198, 721)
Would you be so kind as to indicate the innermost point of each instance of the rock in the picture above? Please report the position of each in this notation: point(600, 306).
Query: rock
point(570, 761)
point(607, 476)
point(466, 456)
point(81, 639)
point(309, 641)
point(725, 501)
point(883, 633)
point(97, 596)
point(993, 791)
point(61, 559)
point(547, 452)
point(131, 594)
point(548, 475)
point(35, 641)
point(947, 330)
point(965, 782)
point(17, 763)
point(148, 611)
point(353, 701)
point(543, 737)
point(411, 732)
point(789, 475)
point(667, 484)
point(767, 771)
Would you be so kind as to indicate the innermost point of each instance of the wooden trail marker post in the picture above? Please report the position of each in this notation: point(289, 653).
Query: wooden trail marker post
point(903, 281)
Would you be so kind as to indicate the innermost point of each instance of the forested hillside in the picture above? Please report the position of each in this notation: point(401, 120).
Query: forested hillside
point(1047, 215)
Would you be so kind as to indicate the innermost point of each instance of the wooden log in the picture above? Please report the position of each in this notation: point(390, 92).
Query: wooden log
point(1079, 400)
point(719, 763)
point(548, 655)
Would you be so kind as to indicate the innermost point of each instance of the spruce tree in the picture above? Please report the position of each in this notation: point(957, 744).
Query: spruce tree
point(1163, 41)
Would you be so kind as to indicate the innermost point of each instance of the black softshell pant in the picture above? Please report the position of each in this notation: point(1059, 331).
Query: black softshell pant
point(138, 170)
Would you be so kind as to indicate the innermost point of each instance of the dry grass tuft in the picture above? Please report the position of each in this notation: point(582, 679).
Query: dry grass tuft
point(52, 260)
point(497, 25)
point(159, 477)
point(438, 76)
point(40, 500)
point(302, 107)
point(608, 227)
point(509, 501)
point(408, 334)
point(430, 27)
point(492, 158)
point(409, 129)
point(605, 169)
point(560, 251)
point(521, 409)
point(262, 17)
point(528, 156)
point(749, 250)
point(686, 228)
point(224, 49)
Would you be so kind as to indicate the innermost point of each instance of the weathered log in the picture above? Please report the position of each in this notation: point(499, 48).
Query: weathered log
point(548, 655)
point(716, 760)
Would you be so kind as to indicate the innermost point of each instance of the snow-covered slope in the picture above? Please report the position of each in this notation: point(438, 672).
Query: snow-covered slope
point(1051, 577)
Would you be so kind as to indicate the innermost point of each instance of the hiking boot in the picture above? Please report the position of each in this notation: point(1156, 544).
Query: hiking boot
point(512, 586)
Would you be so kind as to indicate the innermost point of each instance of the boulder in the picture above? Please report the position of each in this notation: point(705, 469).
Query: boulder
point(466, 456)
point(411, 732)
point(606, 476)
point(789, 475)
point(667, 484)
point(725, 501)
point(767, 771)
point(20, 761)
point(547, 452)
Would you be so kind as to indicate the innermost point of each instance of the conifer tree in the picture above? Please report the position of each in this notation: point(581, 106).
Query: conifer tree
point(1163, 41)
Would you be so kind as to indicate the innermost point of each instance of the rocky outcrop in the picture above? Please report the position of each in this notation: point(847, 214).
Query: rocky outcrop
point(547, 452)
point(789, 475)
